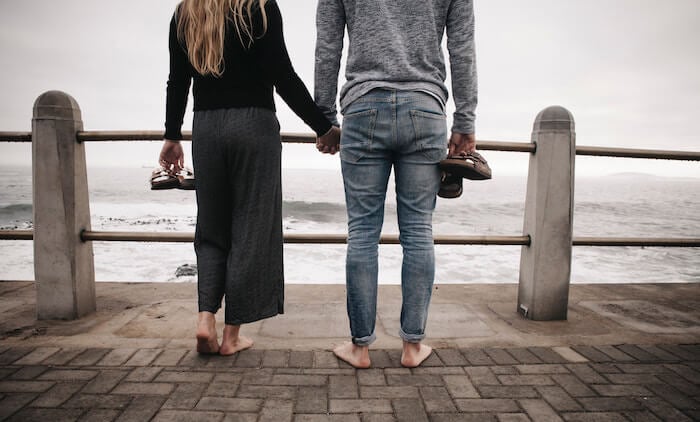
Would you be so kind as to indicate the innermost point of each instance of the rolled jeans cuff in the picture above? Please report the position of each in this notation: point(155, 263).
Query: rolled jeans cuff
point(411, 338)
point(364, 341)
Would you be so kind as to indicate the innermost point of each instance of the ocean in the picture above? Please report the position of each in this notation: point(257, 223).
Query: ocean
point(626, 205)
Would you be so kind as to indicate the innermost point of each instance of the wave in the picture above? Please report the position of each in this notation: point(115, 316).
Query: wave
point(320, 212)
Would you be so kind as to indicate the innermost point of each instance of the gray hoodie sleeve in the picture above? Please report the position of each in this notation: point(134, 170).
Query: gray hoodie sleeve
point(330, 29)
point(460, 44)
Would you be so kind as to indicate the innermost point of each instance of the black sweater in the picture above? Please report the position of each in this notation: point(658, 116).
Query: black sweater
point(248, 77)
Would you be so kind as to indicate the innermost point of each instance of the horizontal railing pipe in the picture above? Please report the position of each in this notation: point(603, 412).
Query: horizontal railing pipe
point(638, 153)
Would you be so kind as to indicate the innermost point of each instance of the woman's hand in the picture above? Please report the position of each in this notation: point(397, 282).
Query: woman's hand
point(329, 143)
point(171, 156)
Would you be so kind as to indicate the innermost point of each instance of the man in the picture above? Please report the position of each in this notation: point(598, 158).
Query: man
point(393, 107)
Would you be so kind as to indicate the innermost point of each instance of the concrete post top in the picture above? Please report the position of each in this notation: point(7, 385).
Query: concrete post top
point(56, 105)
point(554, 118)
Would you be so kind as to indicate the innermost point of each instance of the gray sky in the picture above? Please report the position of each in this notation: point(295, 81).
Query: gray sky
point(628, 70)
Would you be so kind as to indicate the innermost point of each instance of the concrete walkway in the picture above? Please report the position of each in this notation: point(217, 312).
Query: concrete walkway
point(627, 352)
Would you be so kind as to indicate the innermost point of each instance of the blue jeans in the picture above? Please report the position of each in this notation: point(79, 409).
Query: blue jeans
point(406, 130)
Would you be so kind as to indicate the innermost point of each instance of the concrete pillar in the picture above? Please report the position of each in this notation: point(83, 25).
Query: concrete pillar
point(545, 265)
point(63, 264)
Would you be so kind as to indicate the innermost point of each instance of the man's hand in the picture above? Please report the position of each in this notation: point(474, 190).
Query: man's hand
point(171, 156)
point(329, 143)
point(461, 142)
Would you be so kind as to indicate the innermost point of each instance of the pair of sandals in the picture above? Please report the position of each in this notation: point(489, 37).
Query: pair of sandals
point(466, 165)
point(163, 178)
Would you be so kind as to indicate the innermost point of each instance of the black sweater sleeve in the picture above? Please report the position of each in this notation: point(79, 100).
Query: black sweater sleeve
point(271, 53)
point(178, 89)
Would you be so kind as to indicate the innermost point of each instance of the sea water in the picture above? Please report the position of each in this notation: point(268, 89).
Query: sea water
point(626, 205)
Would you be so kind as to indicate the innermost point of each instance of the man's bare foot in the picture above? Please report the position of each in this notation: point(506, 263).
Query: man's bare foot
point(233, 342)
point(357, 356)
point(207, 342)
point(414, 354)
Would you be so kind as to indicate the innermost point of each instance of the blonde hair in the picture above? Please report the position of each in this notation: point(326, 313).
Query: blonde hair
point(201, 25)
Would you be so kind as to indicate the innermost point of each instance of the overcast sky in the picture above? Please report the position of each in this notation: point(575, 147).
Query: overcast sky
point(628, 70)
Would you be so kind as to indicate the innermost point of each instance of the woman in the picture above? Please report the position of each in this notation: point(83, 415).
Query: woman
point(234, 51)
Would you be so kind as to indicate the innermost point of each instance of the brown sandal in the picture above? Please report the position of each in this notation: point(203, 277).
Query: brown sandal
point(468, 165)
point(162, 178)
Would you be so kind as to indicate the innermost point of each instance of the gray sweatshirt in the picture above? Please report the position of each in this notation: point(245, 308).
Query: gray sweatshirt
point(397, 44)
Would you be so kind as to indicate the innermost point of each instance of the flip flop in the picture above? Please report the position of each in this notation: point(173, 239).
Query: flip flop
point(162, 178)
point(469, 165)
point(186, 179)
point(450, 186)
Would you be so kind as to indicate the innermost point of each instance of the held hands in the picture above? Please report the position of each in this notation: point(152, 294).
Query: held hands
point(461, 143)
point(329, 143)
point(171, 156)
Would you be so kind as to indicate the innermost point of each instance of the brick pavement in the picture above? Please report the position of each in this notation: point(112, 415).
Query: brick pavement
point(577, 383)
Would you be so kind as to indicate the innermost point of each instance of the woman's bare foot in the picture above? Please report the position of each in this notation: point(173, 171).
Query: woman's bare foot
point(233, 342)
point(414, 354)
point(357, 356)
point(206, 334)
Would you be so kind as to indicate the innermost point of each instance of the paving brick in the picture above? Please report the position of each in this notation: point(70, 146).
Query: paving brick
point(299, 380)
point(525, 380)
point(501, 357)
point(416, 380)
point(144, 388)
point(609, 390)
point(378, 417)
point(659, 353)
point(451, 357)
point(100, 415)
point(13, 354)
point(523, 355)
point(141, 409)
point(476, 357)
point(62, 357)
point(222, 362)
point(28, 373)
point(570, 354)
point(607, 368)
point(481, 376)
point(221, 388)
point(184, 376)
point(241, 417)
point(586, 373)
point(395, 357)
point(547, 355)
point(512, 417)
point(439, 370)
point(11, 403)
point(326, 418)
point(459, 386)
point(185, 396)
point(325, 371)
point(342, 387)
point(105, 381)
point(98, 401)
point(143, 357)
point(693, 349)
point(371, 377)
point(605, 404)
point(678, 351)
point(637, 353)
point(170, 357)
point(591, 353)
point(595, 417)
point(116, 357)
point(539, 410)
point(684, 371)
point(89, 357)
point(641, 416)
point(409, 410)
point(573, 386)
point(57, 395)
point(541, 369)
point(674, 397)
point(504, 370)
point(249, 358)
point(275, 359)
point(259, 377)
point(266, 391)
point(437, 399)
point(68, 375)
point(301, 359)
point(39, 414)
point(487, 405)
point(642, 368)
point(36, 356)
point(432, 361)
point(188, 416)
point(7, 372)
point(388, 392)
point(25, 386)
point(616, 354)
point(397, 371)
point(275, 410)
point(227, 404)
point(633, 378)
point(680, 383)
point(507, 391)
point(145, 374)
point(194, 360)
point(324, 359)
point(364, 405)
point(380, 359)
point(462, 417)
point(662, 409)
point(558, 398)
point(312, 400)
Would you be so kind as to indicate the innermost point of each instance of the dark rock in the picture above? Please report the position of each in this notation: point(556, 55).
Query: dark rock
point(186, 270)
